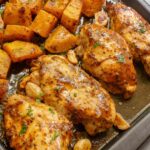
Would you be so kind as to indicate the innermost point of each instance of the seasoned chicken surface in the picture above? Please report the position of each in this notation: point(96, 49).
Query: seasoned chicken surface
point(134, 29)
point(30, 125)
point(107, 57)
point(74, 93)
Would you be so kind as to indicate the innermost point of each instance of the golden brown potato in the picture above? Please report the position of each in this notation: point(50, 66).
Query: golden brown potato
point(34, 5)
point(19, 50)
point(56, 7)
point(17, 14)
point(1, 29)
point(60, 40)
point(90, 7)
point(32, 125)
point(135, 30)
point(107, 57)
point(71, 15)
point(3, 87)
point(17, 32)
point(44, 23)
point(4, 64)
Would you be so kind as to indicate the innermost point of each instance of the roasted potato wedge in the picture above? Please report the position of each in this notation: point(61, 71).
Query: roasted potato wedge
point(34, 5)
point(17, 14)
point(19, 50)
point(44, 23)
point(3, 87)
point(5, 62)
point(90, 7)
point(62, 36)
point(56, 7)
point(17, 32)
point(71, 15)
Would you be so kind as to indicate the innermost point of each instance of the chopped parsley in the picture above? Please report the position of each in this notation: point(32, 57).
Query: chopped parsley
point(54, 136)
point(57, 88)
point(141, 28)
point(23, 129)
point(96, 45)
point(42, 46)
point(120, 58)
point(51, 110)
point(30, 111)
point(75, 95)
point(38, 100)
point(1, 11)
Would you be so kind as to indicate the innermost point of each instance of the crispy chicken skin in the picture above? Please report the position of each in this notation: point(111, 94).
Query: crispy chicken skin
point(134, 29)
point(74, 93)
point(30, 125)
point(107, 57)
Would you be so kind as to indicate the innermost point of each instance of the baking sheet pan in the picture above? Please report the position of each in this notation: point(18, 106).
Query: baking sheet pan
point(134, 110)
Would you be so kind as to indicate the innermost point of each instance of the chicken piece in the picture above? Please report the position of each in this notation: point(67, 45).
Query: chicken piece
point(134, 29)
point(35, 126)
point(107, 57)
point(74, 93)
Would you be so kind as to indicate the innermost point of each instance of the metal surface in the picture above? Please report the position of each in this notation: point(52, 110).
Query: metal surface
point(135, 110)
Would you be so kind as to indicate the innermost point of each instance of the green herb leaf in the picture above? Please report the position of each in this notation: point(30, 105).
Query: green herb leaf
point(57, 88)
point(38, 100)
point(142, 30)
point(54, 136)
point(96, 45)
point(42, 46)
point(30, 111)
point(23, 129)
point(75, 95)
point(51, 110)
point(1, 11)
point(120, 58)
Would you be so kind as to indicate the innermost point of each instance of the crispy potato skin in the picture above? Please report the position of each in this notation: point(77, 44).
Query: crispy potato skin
point(19, 50)
point(134, 29)
point(34, 6)
point(5, 62)
point(56, 7)
point(71, 15)
point(75, 94)
point(90, 7)
point(62, 36)
point(3, 87)
point(21, 14)
point(35, 126)
point(44, 23)
point(17, 32)
point(108, 58)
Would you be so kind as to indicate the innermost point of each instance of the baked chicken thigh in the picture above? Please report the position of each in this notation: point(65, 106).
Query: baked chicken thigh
point(107, 57)
point(30, 125)
point(134, 29)
point(72, 92)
